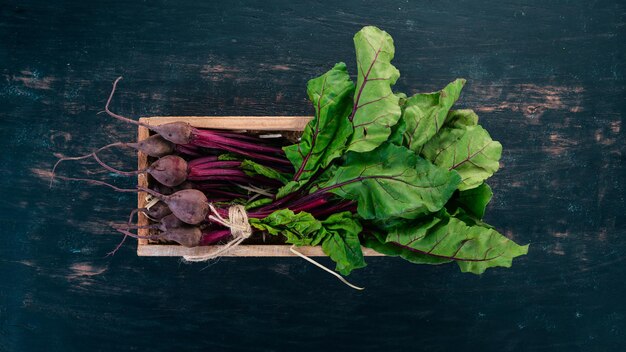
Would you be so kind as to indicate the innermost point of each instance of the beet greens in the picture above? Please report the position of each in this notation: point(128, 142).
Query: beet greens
point(407, 162)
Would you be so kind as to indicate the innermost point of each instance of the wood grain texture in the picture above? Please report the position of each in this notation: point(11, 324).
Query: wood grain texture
point(261, 123)
point(155, 250)
point(142, 181)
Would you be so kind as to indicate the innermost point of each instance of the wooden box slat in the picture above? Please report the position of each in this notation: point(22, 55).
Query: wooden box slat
point(261, 123)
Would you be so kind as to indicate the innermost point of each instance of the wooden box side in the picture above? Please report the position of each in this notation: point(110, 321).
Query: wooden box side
point(262, 123)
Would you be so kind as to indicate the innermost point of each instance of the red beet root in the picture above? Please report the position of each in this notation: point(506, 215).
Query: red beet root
point(189, 205)
point(170, 170)
point(155, 146)
point(157, 211)
point(175, 132)
point(188, 236)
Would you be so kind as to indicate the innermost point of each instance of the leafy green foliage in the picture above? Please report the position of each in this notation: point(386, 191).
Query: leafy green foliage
point(473, 248)
point(324, 137)
point(376, 108)
point(470, 219)
point(392, 181)
point(461, 118)
point(470, 151)
point(258, 202)
point(376, 241)
point(338, 235)
point(425, 114)
point(415, 167)
point(290, 187)
point(397, 131)
point(475, 200)
point(253, 169)
point(341, 242)
point(301, 229)
point(229, 157)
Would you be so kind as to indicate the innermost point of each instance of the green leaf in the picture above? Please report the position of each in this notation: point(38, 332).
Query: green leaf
point(301, 229)
point(341, 242)
point(290, 187)
point(323, 177)
point(258, 202)
point(475, 200)
point(461, 118)
point(376, 240)
point(375, 108)
point(425, 114)
point(338, 235)
point(473, 248)
point(391, 181)
point(469, 219)
point(470, 151)
point(324, 137)
point(397, 131)
point(252, 168)
point(401, 99)
point(294, 186)
point(229, 157)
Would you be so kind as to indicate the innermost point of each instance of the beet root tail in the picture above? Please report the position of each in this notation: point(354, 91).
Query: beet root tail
point(93, 154)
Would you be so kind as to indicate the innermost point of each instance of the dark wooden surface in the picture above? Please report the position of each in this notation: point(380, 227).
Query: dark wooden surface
point(547, 78)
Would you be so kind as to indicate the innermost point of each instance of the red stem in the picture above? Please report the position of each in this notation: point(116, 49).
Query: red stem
point(216, 137)
point(215, 165)
point(256, 156)
point(188, 149)
point(214, 172)
point(214, 236)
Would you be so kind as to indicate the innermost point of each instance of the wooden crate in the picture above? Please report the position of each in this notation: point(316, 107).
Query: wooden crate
point(260, 123)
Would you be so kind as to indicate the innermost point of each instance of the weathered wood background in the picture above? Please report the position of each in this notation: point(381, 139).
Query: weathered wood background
point(547, 78)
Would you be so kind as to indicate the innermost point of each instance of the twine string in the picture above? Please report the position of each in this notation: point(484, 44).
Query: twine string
point(239, 227)
point(151, 201)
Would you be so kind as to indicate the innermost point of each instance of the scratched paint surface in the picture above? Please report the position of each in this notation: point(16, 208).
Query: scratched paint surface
point(547, 79)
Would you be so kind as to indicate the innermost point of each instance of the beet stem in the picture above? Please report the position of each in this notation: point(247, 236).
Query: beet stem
point(202, 165)
point(215, 236)
point(217, 138)
point(253, 155)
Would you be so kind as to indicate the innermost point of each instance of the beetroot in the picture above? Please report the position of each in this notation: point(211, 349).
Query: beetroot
point(155, 146)
point(169, 222)
point(189, 205)
point(169, 170)
point(188, 236)
point(157, 211)
point(175, 132)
